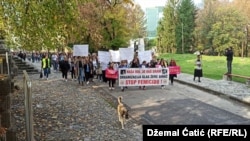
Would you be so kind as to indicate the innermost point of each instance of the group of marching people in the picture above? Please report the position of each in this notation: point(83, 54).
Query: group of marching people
point(135, 63)
point(85, 69)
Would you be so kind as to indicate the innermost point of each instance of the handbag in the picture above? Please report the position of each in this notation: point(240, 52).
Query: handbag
point(41, 74)
point(112, 74)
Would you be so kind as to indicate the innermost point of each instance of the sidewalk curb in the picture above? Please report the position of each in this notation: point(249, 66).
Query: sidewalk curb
point(214, 92)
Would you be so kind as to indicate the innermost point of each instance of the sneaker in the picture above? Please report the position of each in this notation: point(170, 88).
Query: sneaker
point(110, 88)
point(66, 80)
point(87, 82)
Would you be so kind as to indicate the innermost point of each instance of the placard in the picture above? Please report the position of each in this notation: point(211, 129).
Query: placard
point(174, 69)
point(81, 50)
point(104, 57)
point(145, 56)
point(126, 54)
point(115, 55)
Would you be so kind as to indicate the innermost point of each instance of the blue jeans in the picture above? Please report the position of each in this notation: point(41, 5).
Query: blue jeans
point(55, 65)
point(81, 75)
point(46, 72)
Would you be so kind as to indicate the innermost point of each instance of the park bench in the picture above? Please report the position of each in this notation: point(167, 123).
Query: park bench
point(229, 77)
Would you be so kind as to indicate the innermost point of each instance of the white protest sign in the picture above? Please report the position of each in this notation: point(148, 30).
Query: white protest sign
point(81, 50)
point(115, 55)
point(145, 56)
point(126, 54)
point(104, 57)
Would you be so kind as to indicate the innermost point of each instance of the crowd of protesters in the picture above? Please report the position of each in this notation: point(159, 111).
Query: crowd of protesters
point(85, 69)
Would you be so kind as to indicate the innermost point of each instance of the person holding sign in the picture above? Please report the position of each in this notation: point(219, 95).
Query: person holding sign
point(123, 71)
point(143, 65)
point(172, 76)
point(111, 75)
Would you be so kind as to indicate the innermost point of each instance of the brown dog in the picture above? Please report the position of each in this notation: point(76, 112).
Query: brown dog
point(122, 112)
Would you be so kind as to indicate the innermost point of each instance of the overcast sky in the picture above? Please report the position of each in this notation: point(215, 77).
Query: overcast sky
point(152, 3)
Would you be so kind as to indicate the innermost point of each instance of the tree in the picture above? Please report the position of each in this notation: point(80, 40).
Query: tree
point(228, 30)
point(33, 25)
point(186, 13)
point(166, 30)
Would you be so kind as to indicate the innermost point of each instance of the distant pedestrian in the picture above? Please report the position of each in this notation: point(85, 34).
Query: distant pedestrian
point(65, 67)
point(172, 76)
point(198, 69)
point(79, 69)
point(229, 55)
point(46, 64)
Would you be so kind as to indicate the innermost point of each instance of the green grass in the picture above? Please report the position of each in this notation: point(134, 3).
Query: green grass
point(213, 66)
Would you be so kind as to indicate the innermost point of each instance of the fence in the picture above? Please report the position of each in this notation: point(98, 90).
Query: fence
point(28, 107)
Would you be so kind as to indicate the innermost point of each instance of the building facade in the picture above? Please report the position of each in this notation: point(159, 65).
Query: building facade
point(153, 15)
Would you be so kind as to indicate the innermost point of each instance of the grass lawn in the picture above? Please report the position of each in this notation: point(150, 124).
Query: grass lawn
point(213, 66)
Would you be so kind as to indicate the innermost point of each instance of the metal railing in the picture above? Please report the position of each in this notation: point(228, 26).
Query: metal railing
point(28, 107)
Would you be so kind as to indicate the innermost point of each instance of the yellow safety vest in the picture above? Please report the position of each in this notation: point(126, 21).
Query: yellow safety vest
point(44, 62)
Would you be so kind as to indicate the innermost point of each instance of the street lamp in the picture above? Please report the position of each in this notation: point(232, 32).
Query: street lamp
point(182, 37)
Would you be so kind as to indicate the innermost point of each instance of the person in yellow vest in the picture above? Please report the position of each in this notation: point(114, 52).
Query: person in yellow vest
point(46, 64)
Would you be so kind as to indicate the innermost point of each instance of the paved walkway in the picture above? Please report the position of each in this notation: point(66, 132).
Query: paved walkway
point(229, 89)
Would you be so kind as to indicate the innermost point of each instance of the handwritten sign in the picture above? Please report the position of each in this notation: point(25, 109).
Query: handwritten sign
point(126, 54)
point(81, 50)
point(104, 57)
point(145, 56)
point(115, 55)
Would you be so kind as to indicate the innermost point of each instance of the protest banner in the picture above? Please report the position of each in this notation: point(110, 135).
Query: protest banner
point(81, 50)
point(174, 69)
point(104, 57)
point(145, 56)
point(115, 55)
point(126, 54)
point(110, 73)
point(143, 76)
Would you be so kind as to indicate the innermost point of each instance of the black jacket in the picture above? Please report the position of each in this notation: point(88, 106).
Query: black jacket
point(64, 65)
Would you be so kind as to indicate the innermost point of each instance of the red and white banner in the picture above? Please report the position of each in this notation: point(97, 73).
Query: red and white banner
point(143, 76)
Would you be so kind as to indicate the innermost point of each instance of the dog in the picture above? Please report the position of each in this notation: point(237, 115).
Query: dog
point(122, 112)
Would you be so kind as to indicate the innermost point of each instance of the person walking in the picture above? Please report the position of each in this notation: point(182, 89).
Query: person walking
point(172, 76)
point(111, 80)
point(65, 67)
point(46, 64)
point(73, 68)
point(143, 66)
point(123, 71)
point(79, 69)
point(198, 69)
